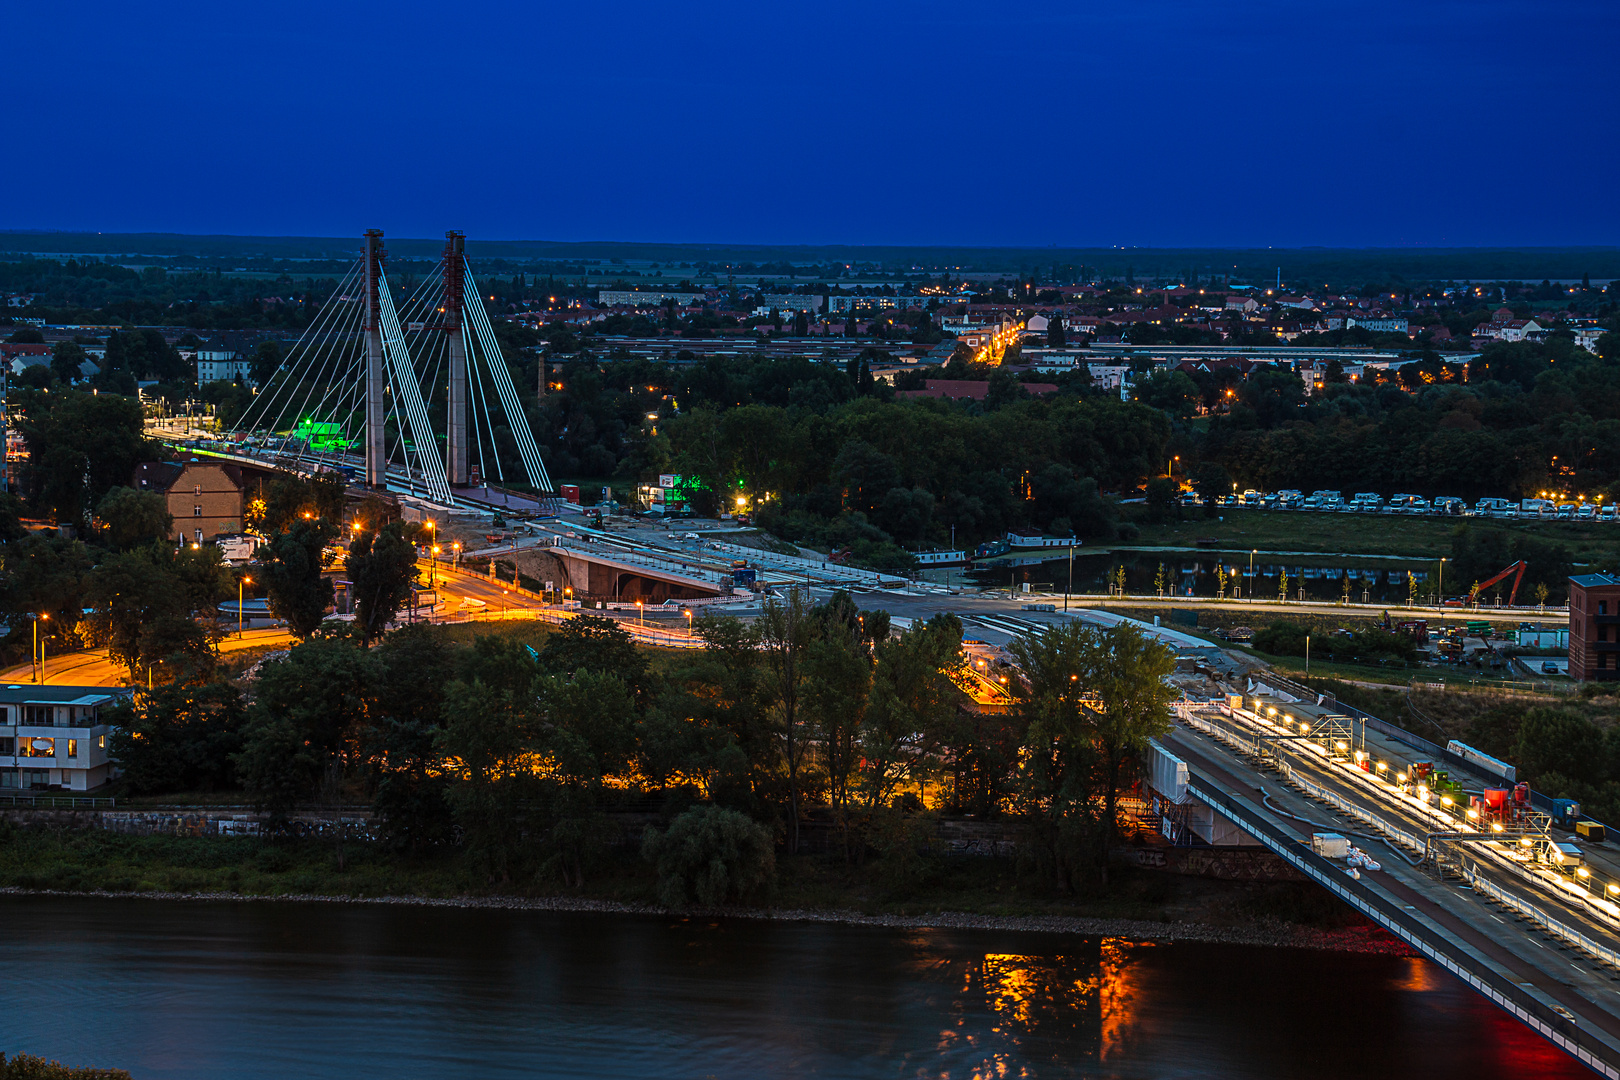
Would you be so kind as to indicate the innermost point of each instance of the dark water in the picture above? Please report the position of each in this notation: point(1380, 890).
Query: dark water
point(1321, 579)
point(308, 991)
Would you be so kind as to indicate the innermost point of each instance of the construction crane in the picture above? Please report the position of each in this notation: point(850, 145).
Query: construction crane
point(1517, 569)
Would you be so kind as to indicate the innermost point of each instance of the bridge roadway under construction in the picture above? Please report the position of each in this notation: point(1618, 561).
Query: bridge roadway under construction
point(1536, 951)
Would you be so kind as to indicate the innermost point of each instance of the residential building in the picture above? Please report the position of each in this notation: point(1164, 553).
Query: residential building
point(205, 497)
point(1378, 322)
point(627, 298)
point(54, 738)
point(221, 361)
point(1245, 304)
point(1594, 627)
point(838, 305)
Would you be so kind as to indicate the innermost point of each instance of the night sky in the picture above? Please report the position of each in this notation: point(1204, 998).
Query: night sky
point(1131, 123)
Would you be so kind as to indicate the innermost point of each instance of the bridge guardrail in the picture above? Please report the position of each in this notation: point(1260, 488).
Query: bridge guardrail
point(1557, 1027)
point(1481, 884)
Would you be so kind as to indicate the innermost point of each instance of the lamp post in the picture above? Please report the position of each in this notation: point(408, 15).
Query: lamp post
point(1440, 594)
point(1070, 589)
point(1251, 568)
point(688, 614)
point(39, 650)
point(455, 549)
point(641, 613)
point(433, 566)
point(243, 580)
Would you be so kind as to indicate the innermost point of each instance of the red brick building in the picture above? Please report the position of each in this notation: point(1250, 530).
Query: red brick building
point(1594, 627)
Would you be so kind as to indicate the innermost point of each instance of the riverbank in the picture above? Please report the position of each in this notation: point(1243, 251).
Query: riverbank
point(1269, 933)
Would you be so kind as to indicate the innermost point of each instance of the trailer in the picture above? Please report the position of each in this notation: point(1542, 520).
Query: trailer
point(1483, 761)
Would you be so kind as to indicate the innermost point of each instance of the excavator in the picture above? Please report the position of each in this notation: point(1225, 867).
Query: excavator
point(1517, 570)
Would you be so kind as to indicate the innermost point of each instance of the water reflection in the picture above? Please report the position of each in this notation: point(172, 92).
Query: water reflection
point(250, 991)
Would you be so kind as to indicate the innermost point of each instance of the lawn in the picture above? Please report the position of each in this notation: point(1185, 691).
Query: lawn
point(1362, 534)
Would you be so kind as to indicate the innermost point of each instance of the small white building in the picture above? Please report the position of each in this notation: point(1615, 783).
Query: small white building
point(54, 738)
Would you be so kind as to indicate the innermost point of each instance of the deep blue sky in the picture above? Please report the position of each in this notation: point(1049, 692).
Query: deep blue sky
point(1141, 122)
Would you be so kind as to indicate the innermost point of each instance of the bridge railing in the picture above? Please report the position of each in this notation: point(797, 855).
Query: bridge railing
point(1485, 887)
point(1545, 1017)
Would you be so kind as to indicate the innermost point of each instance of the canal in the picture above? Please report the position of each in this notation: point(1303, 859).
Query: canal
point(277, 990)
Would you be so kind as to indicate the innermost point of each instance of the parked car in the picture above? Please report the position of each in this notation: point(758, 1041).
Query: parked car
point(1549, 668)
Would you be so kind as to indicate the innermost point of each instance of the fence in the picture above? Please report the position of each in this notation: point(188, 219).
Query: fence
point(1547, 1018)
point(58, 802)
point(1485, 887)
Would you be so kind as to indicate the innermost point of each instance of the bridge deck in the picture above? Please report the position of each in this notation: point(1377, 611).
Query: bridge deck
point(1569, 997)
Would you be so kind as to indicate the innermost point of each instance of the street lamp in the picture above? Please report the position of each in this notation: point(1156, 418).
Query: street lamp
point(641, 613)
point(39, 651)
point(455, 548)
point(243, 580)
point(1252, 553)
point(433, 566)
point(688, 614)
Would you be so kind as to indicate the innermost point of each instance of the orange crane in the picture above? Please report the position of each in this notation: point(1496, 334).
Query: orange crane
point(1517, 569)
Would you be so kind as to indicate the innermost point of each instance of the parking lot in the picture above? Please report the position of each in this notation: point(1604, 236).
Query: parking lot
point(1441, 506)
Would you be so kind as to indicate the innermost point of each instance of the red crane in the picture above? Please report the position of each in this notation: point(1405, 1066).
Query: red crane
point(1517, 569)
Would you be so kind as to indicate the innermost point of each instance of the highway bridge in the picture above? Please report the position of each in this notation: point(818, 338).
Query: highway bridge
point(1480, 898)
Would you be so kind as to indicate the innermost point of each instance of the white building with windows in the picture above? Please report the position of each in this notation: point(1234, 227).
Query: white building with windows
point(54, 738)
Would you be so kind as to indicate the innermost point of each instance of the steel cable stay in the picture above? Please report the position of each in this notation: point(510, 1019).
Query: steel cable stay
point(516, 421)
point(315, 340)
point(315, 329)
point(473, 414)
point(406, 386)
point(343, 361)
point(337, 345)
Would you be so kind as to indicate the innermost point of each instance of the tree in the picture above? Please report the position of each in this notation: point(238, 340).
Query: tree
point(785, 634)
point(144, 606)
point(913, 707)
point(1092, 697)
point(66, 356)
point(266, 360)
point(290, 568)
point(1056, 337)
point(1212, 482)
point(79, 447)
point(382, 568)
point(414, 665)
point(485, 744)
point(710, 855)
point(129, 518)
point(179, 738)
point(594, 643)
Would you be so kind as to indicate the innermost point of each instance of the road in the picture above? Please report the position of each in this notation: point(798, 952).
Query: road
point(1579, 984)
point(93, 668)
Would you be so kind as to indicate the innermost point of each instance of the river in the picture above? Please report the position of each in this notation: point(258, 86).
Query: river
point(174, 989)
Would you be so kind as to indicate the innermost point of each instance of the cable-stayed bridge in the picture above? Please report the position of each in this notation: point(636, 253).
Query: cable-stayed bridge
point(413, 380)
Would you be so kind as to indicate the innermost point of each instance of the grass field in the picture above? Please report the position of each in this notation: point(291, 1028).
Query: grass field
point(1363, 534)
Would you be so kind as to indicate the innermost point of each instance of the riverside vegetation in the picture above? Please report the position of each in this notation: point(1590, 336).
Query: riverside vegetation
point(568, 761)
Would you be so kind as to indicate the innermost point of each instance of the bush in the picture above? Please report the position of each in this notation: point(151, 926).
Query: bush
point(28, 1067)
point(710, 856)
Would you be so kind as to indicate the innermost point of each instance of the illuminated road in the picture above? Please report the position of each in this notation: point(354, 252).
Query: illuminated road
point(1579, 985)
point(87, 668)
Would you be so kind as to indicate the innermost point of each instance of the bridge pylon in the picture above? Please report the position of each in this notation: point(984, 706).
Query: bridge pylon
point(456, 342)
point(376, 380)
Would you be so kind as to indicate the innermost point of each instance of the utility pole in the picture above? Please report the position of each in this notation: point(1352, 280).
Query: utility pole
point(376, 380)
point(454, 299)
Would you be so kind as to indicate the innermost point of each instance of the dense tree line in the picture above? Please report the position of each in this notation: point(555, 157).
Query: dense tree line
point(522, 755)
point(1523, 418)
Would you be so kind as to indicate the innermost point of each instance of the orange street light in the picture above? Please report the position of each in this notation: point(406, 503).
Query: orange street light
point(244, 579)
